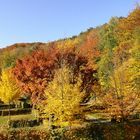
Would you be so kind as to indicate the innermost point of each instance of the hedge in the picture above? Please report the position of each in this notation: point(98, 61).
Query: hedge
point(15, 111)
point(24, 123)
point(103, 131)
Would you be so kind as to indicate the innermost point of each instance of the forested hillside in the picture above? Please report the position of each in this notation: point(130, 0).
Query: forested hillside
point(103, 62)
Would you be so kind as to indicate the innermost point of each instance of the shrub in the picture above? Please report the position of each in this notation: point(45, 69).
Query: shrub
point(24, 123)
point(101, 131)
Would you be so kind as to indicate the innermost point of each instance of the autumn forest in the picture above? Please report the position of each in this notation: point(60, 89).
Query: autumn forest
point(74, 84)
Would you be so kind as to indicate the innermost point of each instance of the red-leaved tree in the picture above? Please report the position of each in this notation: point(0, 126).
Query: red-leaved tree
point(34, 72)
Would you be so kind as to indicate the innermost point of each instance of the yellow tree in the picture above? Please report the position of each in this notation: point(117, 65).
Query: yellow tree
point(9, 91)
point(122, 98)
point(63, 96)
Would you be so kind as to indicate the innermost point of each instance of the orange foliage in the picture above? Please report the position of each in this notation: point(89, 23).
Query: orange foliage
point(34, 72)
point(90, 49)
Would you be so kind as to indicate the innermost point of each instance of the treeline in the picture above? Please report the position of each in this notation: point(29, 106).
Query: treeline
point(103, 63)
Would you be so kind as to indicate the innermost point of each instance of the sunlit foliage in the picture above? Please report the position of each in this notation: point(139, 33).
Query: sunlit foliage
point(9, 91)
point(63, 97)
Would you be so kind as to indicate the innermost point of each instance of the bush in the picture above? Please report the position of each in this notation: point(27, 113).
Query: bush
point(24, 123)
point(101, 131)
point(28, 134)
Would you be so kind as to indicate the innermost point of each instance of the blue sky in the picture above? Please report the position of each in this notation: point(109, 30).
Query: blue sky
point(48, 20)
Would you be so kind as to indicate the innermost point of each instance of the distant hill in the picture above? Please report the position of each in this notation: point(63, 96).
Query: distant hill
point(118, 33)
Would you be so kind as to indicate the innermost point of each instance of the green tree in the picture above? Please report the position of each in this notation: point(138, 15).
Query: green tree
point(105, 68)
point(108, 42)
point(107, 34)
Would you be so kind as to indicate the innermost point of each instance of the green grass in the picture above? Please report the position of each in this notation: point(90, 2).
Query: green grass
point(94, 116)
